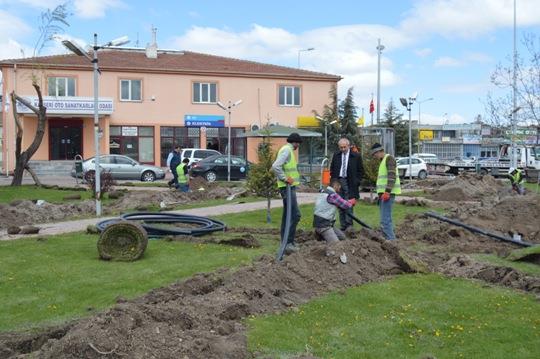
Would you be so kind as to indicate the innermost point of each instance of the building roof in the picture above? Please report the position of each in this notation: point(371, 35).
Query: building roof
point(280, 131)
point(135, 60)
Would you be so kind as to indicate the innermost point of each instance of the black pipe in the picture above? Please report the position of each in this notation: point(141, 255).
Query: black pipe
point(478, 230)
point(363, 224)
point(205, 225)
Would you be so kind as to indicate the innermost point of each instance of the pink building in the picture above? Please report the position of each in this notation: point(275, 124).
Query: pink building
point(149, 103)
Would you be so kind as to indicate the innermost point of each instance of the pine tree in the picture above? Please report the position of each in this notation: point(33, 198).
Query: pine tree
point(261, 179)
point(348, 118)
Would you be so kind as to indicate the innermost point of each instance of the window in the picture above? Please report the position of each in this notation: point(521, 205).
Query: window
point(185, 137)
point(130, 90)
point(204, 154)
point(289, 95)
point(204, 92)
point(61, 86)
point(124, 161)
point(132, 141)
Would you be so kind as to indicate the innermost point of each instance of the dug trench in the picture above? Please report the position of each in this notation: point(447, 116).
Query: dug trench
point(203, 316)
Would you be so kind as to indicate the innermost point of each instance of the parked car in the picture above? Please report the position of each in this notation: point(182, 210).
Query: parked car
point(197, 154)
point(122, 168)
point(215, 167)
point(427, 157)
point(418, 166)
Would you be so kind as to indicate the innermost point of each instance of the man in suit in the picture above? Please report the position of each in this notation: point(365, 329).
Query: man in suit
point(348, 169)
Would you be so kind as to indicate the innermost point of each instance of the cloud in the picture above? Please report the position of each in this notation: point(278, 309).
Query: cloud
point(454, 118)
point(95, 8)
point(9, 46)
point(466, 18)
point(478, 88)
point(447, 61)
point(423, 52)
point(478, 57)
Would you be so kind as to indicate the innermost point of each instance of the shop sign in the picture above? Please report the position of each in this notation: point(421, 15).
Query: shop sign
point(129, 131)
point(204, 120)
point(69, 105)
point(425, 135)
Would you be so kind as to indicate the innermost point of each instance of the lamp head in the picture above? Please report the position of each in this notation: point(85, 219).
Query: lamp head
point(237, 103)
point(413, 96)
point(118, 42)
point(403, 101)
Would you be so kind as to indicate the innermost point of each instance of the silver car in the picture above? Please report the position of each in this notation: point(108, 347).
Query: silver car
point(122, 168)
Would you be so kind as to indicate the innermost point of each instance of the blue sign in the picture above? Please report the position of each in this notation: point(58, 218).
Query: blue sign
point(204, 120)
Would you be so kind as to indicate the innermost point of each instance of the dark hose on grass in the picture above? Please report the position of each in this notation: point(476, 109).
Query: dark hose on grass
point(151, 221)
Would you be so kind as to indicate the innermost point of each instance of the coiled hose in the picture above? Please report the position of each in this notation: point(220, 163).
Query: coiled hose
point(148, 221)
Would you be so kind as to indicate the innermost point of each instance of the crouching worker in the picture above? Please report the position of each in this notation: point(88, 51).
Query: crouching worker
point(183, 175)
point(325, 212)
point(516, 179)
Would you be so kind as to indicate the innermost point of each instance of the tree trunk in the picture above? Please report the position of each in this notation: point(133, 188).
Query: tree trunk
point(34, 176)
point(268, 216)
point(22, 158)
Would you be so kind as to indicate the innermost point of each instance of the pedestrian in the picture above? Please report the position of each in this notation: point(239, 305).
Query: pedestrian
point(286, 169)
point(347, 167)
point(388, 186)
point(173, 160)
point(182, 175)
point(517, 180)
point(324, 216)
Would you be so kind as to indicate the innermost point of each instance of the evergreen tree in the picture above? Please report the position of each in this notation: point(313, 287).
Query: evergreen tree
point(261, 180)
point(394, 119)
point(348, 118)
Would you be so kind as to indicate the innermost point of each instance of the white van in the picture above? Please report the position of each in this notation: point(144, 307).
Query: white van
point(427, 157)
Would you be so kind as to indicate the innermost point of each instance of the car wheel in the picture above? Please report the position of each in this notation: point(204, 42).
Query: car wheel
point(210, 176)
point(422, 174)
point(148, 176)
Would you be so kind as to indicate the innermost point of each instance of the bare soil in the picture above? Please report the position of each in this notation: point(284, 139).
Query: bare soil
point(203, 316)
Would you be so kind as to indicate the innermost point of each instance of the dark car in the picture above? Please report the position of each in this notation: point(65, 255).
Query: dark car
point(215, 168)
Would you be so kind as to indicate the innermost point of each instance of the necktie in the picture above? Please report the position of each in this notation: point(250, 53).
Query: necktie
point(343, 165)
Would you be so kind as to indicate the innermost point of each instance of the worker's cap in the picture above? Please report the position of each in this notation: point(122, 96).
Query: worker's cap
point(376, 148)
point(511, 169)
point(294, 137)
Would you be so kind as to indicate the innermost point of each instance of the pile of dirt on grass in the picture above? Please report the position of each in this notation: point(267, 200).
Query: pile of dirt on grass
point(20, 213)
point(470, 187)
point(203, 317)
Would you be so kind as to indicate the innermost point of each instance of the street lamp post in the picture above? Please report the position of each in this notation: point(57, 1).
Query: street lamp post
point(379, 52)
point(77, 50)
point(299, 51)
point(326, 124)
point(408, 105)
point(228, 108)
point(419, 112)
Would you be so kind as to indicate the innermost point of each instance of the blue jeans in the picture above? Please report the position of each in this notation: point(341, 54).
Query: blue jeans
point(295, 213)
point(182, 187)
point(385, 210)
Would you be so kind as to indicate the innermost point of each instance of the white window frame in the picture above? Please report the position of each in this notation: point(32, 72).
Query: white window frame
point(291, 103)
point(61, 78)
point(209, 92)
point(130, 99)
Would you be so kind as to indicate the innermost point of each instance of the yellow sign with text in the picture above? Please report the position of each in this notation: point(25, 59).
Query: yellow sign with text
point(307, 121)
point(425, 135)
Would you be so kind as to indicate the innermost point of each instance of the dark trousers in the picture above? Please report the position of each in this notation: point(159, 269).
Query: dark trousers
point(174, 179)
point(295, 213)
point(344, 220)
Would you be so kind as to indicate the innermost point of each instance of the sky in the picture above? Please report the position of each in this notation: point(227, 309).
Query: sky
point(444, 50)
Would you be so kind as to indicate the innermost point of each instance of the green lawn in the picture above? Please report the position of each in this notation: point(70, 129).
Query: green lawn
point(532, 187)
point(30, 192)
point(411, 316)
point(365, 212)
point(47, 282)
point(525, 267)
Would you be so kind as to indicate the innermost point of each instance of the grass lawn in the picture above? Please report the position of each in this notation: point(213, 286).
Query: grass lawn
point(30, 192)
point(532, 187)
point(410, 316)
point(61, 278)
point(366, 212)
point(525, 267)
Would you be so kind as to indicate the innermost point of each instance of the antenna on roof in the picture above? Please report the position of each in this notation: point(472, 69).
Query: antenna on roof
point(137, 42)
point(151, 49)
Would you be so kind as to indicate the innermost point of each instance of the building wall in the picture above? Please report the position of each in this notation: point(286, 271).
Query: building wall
point(166, 99)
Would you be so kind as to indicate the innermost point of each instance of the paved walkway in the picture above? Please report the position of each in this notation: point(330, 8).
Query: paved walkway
point(80, 225)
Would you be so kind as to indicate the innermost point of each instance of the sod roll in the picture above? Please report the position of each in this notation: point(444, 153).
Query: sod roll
point(122, 241)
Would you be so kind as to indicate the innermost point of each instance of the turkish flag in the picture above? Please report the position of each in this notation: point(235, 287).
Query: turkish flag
point(371, 107)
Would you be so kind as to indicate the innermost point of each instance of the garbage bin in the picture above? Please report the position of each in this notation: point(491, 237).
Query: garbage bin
point(78, 168)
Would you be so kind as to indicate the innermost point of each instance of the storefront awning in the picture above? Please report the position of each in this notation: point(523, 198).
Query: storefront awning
point(279, 131)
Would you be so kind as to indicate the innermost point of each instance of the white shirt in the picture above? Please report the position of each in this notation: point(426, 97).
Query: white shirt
point(344, 163)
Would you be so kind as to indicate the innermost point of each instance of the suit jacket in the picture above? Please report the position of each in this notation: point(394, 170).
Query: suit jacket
point(355, 171)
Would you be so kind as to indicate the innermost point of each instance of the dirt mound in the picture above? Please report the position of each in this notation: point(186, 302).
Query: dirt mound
point(202, 316)
point(470, 187)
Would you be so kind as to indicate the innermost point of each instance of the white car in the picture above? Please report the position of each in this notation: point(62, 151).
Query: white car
point(418, 165)
point(197, 154)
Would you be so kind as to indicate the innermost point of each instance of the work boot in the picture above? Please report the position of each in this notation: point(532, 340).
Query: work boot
point(291, 248)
